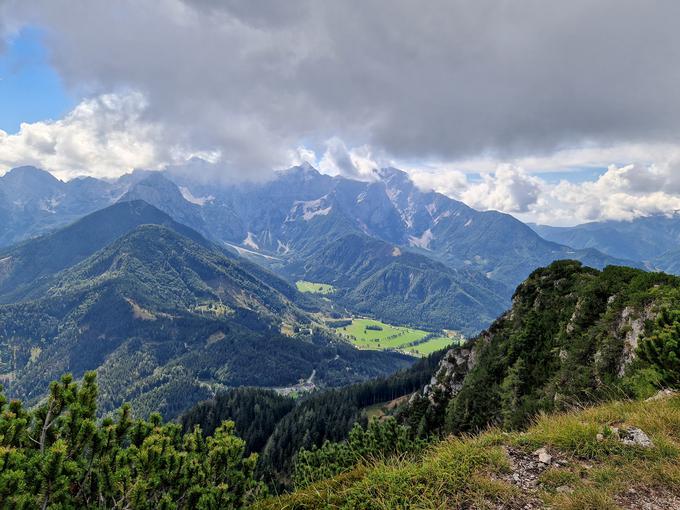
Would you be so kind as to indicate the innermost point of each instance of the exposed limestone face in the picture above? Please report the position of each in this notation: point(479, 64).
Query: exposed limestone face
point(448, 379)
point(632, 325)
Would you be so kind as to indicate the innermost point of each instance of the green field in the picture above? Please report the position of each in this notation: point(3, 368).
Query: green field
point(392, 337)
point(432, 345)
point(314, 287)
point(388, 337)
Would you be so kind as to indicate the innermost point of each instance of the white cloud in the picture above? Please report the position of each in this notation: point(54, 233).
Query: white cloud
point(508, 188)
point(102, 137)
point(356, 163)
point(301, 155)
point(452, 183)
point(621, 193)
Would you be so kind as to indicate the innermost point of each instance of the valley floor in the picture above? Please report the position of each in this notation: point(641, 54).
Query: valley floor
point(372, 334)
point(586, 459)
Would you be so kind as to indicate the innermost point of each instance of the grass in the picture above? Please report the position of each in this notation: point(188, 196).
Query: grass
point(387, 337)
point(432, 345)
point(475, 471)
point(383, 408)
point(314, 287)
point(377, 335)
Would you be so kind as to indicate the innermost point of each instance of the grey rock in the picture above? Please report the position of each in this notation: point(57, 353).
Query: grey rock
point(635, 437)
point(543, 456)
point(662, 394)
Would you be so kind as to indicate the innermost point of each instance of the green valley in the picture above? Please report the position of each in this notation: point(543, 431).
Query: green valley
point(165, 317)
point(377, 335)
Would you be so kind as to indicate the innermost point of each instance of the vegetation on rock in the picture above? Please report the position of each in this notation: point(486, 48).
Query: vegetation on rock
point(570, 338)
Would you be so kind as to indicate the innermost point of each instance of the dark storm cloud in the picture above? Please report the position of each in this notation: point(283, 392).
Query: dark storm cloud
point(414, 79)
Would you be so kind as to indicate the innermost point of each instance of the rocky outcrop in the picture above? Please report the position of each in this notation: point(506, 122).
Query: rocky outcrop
point(448, 379)
point(631, 326)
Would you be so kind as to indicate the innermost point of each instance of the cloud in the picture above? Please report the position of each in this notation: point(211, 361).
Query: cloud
point(450, 80)
point(357, 163)
point(620, 193)
point(508, 189)
point(442, 180)
point(104, 137)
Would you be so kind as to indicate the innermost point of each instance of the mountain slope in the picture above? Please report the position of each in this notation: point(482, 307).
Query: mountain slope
point(502, 470)
point(163, 194)
point(455, 266)
point(33, 202)
point(404, 287)
point(312, 420)
point(42, 257)
point(572, 335)
point(166, 320)
point(300, 206)
point(668, 261)
point(641, 239)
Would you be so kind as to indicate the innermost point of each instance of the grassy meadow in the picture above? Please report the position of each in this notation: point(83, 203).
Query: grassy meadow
point(314, 287)
point(377, 335)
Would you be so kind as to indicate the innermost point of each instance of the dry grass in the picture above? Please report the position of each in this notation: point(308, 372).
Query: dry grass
point(464, 472)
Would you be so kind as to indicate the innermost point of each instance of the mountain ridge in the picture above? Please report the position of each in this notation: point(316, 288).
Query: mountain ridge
point(292, 223)
point(165, 320)
point(22, 264)
point(646, 238)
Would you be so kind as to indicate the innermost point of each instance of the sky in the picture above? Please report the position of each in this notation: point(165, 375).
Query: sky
point(557, 113)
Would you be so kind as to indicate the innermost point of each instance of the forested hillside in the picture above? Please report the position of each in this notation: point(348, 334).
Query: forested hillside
point(278, 427)
point(167, 320)
point(573, 335)
point(404, 287)
point(25, 269)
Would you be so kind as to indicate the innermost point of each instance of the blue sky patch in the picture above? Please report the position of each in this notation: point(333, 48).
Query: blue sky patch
point(30, 89)
point(574, 175)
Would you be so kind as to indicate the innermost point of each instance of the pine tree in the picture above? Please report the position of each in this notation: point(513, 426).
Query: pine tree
point(661, 348)
point(512, 390)
point(60, 456)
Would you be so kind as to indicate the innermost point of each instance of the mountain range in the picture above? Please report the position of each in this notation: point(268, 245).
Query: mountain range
point(164, 316)
point(173, 288)
point(653, 240)
point(176, 292)
point(372, 241)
